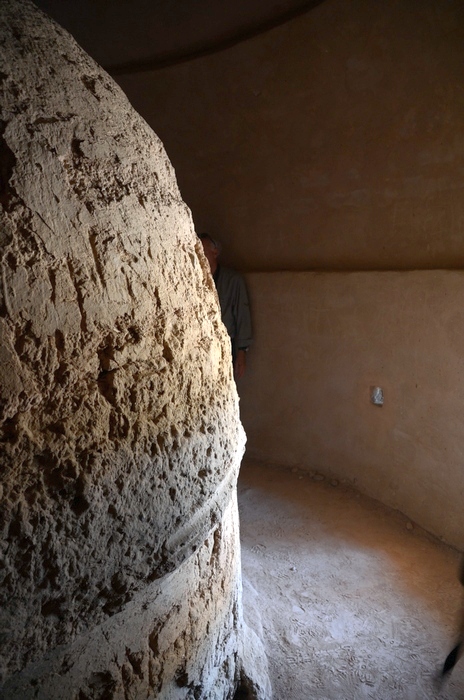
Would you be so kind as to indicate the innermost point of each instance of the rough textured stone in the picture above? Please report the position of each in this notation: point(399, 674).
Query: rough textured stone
point(175, 639)
point(120, 436)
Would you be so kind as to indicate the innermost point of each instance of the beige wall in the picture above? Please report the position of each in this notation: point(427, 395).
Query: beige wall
point(322, 340)
point(336, 142)
point(333, 142)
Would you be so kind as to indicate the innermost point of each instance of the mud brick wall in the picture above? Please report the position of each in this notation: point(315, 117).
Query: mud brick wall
point(120, 436)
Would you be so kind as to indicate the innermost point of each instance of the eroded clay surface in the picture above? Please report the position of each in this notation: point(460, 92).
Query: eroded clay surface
point(120, 436)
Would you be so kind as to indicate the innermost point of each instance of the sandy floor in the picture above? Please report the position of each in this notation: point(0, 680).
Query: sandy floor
point(354, 600)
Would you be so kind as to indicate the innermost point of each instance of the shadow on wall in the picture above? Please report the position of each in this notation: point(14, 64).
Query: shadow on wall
point(322, 341)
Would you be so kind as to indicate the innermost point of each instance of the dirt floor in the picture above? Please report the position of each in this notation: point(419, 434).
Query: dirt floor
point(353, 599)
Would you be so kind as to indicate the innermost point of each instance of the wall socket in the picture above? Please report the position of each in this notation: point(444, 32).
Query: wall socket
point(376, 395)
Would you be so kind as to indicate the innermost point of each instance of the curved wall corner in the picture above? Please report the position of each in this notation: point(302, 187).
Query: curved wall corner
point(120, 434)
point(344, 334)
point(341, 151)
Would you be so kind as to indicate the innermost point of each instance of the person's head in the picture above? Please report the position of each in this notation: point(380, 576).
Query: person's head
point(211, 248)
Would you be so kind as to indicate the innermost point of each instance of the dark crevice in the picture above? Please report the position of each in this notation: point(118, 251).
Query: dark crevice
point(105, 383)
point(7, 165)
point(96, 257)
point(90, 84)
point(76, 149)
point(80, 297)
point(167, 352)
point(10, 429)
point(52, 278)
point(54, 120)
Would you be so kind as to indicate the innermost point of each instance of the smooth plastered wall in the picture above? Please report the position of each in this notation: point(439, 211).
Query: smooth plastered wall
point(322, 341)
point(334, 143)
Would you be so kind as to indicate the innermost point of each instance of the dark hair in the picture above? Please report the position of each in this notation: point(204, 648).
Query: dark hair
point(207, 237)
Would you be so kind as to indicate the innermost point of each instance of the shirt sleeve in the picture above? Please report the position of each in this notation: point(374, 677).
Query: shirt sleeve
point(244, 336)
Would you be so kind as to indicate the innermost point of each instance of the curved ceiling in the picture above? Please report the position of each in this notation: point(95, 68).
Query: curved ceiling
point(148, 34)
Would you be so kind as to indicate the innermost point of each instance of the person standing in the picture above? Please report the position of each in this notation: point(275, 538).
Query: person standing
point(233, 299)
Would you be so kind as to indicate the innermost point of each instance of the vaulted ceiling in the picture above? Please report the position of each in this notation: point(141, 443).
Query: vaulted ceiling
point(128, 36)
